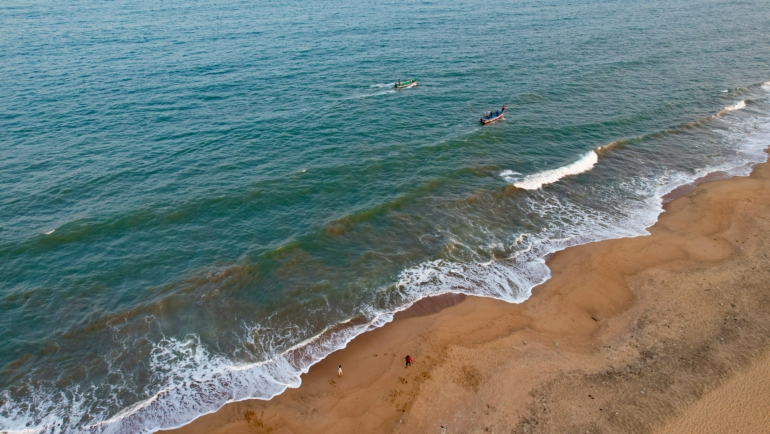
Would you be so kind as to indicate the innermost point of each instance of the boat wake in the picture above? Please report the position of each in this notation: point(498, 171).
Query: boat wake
point(369, 95)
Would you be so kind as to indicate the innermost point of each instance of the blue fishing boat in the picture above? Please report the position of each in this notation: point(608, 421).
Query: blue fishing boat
point(492, 117)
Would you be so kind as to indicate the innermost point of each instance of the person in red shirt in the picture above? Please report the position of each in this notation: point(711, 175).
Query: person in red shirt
point(408, 360)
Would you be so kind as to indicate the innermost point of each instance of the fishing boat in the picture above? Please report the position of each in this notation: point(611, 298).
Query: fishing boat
point(406, 84)
point(490, 117)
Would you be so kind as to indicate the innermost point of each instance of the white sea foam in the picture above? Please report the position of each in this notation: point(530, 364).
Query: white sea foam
point(537, 180)
point(509, 173)
point(49, 232)
point(203, 382)
point(737, 106)
point(766, 85)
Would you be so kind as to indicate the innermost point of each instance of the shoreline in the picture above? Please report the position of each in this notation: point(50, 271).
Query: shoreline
point(477, 350)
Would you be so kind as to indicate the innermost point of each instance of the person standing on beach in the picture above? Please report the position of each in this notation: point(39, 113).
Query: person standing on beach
point(339, 371)
point(408, 360)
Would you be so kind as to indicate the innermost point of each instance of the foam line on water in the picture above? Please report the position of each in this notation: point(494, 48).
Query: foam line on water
point(537, 180)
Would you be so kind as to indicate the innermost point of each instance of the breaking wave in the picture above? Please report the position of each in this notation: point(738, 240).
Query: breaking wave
point(737, 106)
point(537, 180)
point(587, 162)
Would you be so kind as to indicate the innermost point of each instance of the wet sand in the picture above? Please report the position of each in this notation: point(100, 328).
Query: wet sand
point(663, 333)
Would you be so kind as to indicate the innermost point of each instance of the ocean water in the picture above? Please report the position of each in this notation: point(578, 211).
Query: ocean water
point(199, 200)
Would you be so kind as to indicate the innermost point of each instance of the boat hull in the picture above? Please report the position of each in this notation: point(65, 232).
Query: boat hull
point(490, 120)
point(406, 86)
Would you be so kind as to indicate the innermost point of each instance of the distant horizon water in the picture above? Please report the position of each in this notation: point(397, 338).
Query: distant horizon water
point(199, 201)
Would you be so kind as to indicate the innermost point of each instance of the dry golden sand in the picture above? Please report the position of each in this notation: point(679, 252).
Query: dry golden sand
point(663, 333)
point(741, 405)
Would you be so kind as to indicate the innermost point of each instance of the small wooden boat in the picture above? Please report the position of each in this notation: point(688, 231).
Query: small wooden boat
point(406, 84)
point(492, 117)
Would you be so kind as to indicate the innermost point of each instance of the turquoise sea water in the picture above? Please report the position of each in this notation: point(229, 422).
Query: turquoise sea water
point(199, 200)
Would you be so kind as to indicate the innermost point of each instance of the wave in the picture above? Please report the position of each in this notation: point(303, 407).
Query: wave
point(587, 162)
point(737, 106)
point(605, 148)
point(537, 180)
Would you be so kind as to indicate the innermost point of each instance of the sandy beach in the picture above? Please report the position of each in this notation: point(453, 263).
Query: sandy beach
point(667, 333)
